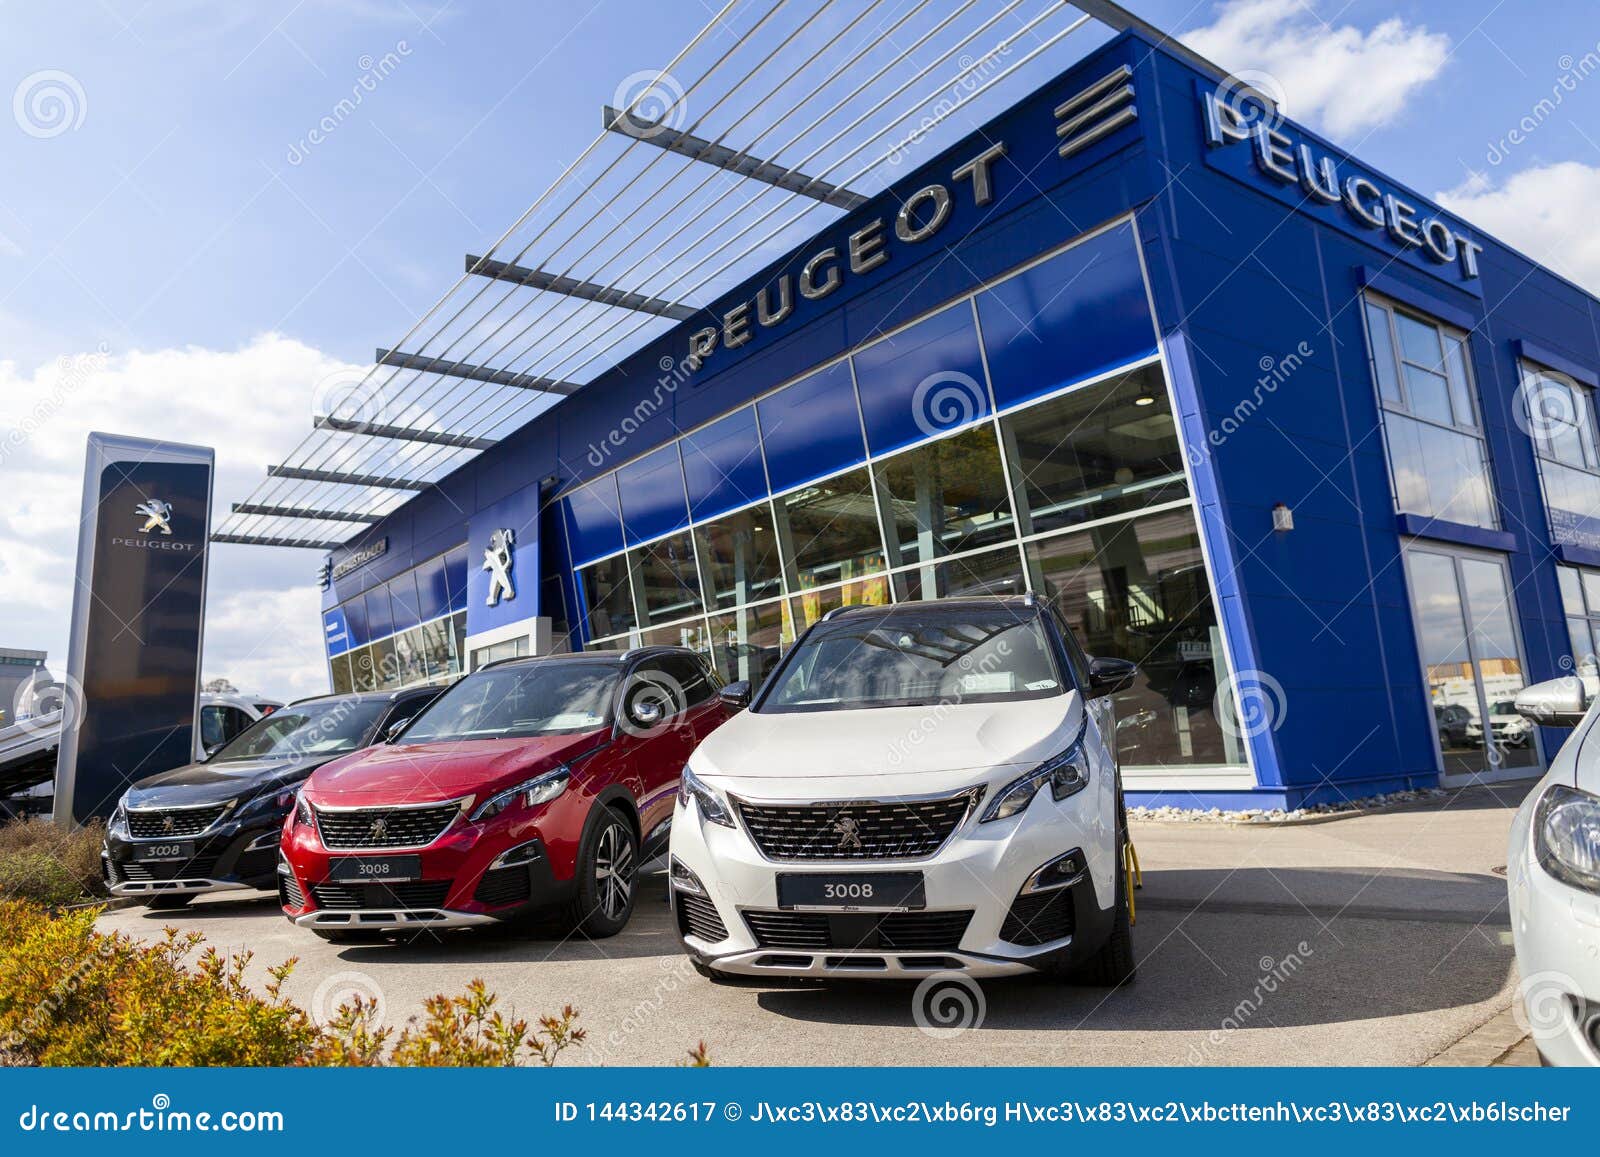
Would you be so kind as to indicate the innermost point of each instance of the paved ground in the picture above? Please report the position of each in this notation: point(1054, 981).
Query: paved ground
point(1381, 939)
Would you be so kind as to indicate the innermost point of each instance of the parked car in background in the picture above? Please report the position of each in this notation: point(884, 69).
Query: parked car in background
point(919, 788)
point(1553, 876)
point(1452, 720)
point(214, 824)
point(532, 785)
point(224, 715)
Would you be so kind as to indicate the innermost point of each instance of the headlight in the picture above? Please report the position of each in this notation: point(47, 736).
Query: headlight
point(1067, 774)
point(302, 811)
point(1567, 837)
point(119, 815)
point(277, 801)
point(540, 789)
point(691, 788)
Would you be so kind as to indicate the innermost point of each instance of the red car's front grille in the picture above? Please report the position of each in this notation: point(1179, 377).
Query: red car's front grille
point(379, 827)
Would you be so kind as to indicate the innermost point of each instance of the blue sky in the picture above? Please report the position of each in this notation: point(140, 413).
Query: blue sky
point(199, 265)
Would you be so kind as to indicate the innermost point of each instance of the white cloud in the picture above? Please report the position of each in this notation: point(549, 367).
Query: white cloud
point(1336, 78)
point(252, 404)
point(1545, 211)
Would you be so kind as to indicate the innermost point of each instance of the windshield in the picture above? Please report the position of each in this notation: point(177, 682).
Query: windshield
point(909, 660)
point(306, 730)
point(1503, 707)
point(556, 698)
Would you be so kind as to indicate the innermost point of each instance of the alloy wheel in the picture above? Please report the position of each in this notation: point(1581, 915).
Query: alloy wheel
point(613, 870)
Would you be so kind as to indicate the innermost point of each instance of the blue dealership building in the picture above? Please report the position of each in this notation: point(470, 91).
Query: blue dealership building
point(1319, 456)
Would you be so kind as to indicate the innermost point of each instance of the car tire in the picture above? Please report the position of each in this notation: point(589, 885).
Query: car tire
point(1114, 964)
point(168, 903)
point(607, 877)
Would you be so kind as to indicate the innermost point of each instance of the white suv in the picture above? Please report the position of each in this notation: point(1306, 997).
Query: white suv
point(920, 788)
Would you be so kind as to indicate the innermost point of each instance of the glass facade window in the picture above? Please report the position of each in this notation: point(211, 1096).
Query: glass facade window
point(739, 556)
point(339, 674)
point(945, 497)
point(667, 579)
point(1067, 478)
point(494, 652)
point(402, 630)
point(1103, 450)
point(1580, 601)
point(1137, 589)
point(829, 530)
point(1560, 420)
point(1437, 454)
point(608, 597)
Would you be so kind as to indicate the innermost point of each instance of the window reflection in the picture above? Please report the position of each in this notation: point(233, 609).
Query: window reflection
point(668, 581)
point(945, 497)
point(608, 596)
point(829, 530)
point(740, 555)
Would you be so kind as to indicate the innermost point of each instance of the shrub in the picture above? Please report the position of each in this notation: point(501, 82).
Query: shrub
point(70, 995)
point(49, 864)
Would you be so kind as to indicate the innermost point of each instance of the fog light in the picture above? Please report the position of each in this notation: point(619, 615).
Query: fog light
point(684, 880)
point(1056, 873)
point(521, 854)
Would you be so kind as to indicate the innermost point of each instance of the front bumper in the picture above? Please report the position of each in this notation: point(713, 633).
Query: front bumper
point(471, 875)
point(229, 856)
point(1556, 930)
point(973, 890)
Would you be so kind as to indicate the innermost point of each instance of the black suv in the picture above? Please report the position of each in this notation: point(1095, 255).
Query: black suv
point(214, 825)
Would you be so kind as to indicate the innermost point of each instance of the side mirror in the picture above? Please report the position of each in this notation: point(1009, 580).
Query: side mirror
point(1108, 676)
point(1559, 702)
point(392, 732)
point(735, 696)
point(213, 749)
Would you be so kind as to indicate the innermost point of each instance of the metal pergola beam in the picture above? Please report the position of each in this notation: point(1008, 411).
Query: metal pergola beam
point(376, 480)
point(305, 512)
point(516, 381)
point(571, 287)
point(401, 433)
point(699, 149)
point(264, 540)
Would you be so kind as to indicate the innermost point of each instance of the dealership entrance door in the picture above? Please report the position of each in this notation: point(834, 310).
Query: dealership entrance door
point(1472, 662)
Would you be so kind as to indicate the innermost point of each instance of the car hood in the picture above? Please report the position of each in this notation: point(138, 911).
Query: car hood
point(931, 742)
point(423, 772)
point(200, 783)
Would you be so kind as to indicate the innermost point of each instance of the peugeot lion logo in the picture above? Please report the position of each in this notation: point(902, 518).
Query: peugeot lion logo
point(378, 828)
point(157, 516)
point(849, 833)
point(166, 824)
point(497, 561)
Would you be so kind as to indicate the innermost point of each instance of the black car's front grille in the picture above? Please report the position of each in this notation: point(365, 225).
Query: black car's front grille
point(502, 886)
point(697, 916)
point(1039, 918)
point(289, 893)
point(189, 821)
point(864, 830)
point(894, 931)
point(377, 827)
point(427, 894)
point(199, 868)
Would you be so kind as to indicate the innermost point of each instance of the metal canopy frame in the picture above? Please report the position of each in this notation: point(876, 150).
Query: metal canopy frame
point(773, 121)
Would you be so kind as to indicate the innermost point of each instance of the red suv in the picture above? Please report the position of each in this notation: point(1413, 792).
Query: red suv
point(531, 785)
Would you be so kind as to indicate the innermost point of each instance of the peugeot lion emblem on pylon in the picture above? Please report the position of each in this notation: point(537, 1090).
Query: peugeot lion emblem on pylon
point(378, 828)
point(497, 561)
point(849, 833)
point(157, 515)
